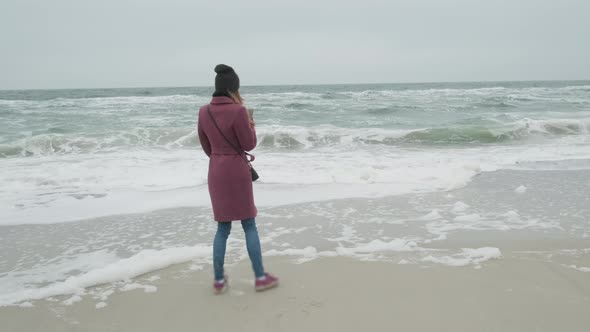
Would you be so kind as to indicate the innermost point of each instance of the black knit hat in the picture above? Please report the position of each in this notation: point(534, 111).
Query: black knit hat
point(226, 79)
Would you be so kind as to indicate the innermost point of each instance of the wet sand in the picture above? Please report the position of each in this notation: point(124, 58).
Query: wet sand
point(337, 294)
point(541, 234)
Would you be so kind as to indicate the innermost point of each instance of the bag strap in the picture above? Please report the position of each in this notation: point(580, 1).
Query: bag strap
point(240, 152)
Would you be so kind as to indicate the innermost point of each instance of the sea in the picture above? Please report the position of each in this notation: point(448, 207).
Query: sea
point(95, 180)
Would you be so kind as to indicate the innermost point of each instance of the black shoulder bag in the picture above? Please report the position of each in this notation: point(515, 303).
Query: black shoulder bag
point(240, 152)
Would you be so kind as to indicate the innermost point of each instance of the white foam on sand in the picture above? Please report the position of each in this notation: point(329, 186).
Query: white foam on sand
point(507, 221)
point(379, 245)
point(104, 295)
point(459, 207)
point(376, 246)
point(153, 278)
point(347, 235)
point(468, 218)
point(134, 286)
point(72, 300)
point(433, 215)
point(57, 268)
point(124, 269)
point(467, 256)
point(580, 268)
point(26, 305)
point(307, 254)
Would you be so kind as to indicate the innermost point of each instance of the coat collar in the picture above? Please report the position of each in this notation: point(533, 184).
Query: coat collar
point(221, 100)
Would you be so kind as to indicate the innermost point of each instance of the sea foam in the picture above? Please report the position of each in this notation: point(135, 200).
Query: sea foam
point(124, 269)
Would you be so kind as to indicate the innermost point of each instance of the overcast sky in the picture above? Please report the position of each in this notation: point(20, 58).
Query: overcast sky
point(125, 43)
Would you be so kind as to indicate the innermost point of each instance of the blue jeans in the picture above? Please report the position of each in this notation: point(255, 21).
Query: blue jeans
point(252, 244)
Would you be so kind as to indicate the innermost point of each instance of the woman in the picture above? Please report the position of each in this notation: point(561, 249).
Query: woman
point(230, 181)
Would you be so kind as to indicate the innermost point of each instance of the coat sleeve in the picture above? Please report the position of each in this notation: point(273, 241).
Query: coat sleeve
point(205, 144)
point(245, 133)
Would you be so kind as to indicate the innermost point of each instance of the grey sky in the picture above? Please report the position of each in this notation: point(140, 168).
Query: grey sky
point(126, 43)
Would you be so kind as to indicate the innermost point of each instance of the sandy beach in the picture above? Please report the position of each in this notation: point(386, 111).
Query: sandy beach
point(337, 294)
point(448, 261)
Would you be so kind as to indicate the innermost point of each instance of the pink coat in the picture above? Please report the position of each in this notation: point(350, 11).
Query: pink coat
point(230, 182)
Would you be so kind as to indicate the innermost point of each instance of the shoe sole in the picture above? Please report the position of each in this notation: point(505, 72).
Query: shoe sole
point(267, 287)
point(224, 289)
point(221, 291)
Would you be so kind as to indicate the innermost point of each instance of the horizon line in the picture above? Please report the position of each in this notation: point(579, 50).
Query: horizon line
point(303, 84)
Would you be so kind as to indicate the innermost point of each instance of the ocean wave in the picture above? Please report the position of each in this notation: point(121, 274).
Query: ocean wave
point(102, 101)
point(503, 95)
point(299, 137)
point(512, 132)
point(57, 143)
point(381, 101)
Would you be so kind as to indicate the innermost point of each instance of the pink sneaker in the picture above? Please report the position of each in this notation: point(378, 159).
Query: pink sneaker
point(268, 282)
point(220, 287)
